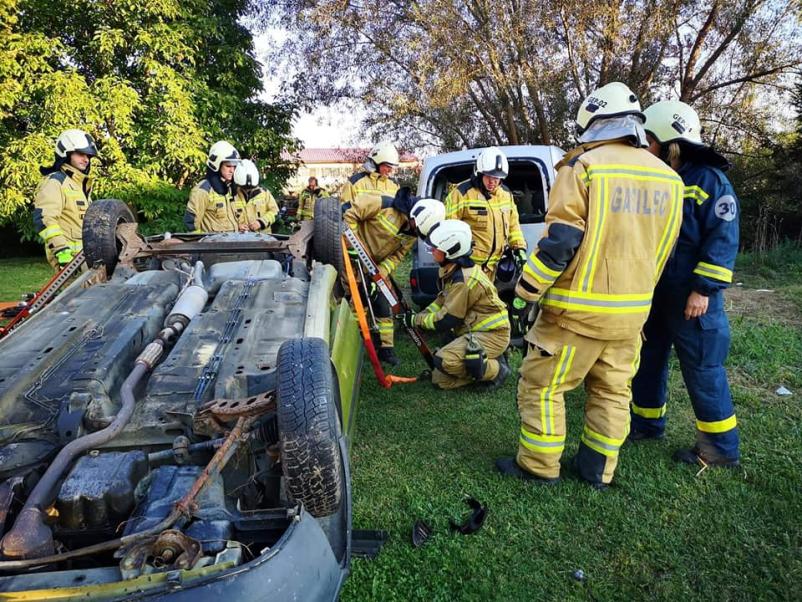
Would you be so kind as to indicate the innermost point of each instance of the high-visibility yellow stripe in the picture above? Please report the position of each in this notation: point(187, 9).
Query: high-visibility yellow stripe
point(543, 444)
point(588, 286)
point(433, 308)
point(716, 272)
point(428, 321)
point(388, 266)
point(516, 237)
point(650, 413)
point(607, 446)
point(538, 270)
point(600, 202)
point(387, 224)
point(636, 172)
point(493, 322)
point(696, 193)
point(384, 326)
point(51, 232)
point(719, 426)
point(598, 302)
point(669, 233)
point(547, 394)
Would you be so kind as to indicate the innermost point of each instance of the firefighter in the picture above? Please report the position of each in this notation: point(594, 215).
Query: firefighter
point(307, 199)
point(383, 225)
point(469, 306)
point(63, 196)
point(255, 207)
point(688, 310)
point(376, 175)
point(487, 206)
point(614, 215)
point(211, 206)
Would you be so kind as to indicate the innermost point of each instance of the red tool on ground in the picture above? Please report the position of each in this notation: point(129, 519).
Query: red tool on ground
point(45, 295)
point(386, 380)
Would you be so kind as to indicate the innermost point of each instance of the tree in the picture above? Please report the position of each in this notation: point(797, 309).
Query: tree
point(155, 83)
point(461, 73)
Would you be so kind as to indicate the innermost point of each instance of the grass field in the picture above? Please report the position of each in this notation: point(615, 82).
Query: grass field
point(664, 531)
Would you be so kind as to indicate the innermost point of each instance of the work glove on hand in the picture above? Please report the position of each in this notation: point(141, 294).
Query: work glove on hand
point(518, 304)
point(520, 257)
point(64, 256)
point(406, 318)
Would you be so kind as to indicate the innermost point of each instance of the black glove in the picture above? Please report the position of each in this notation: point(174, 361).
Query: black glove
point(406, 318)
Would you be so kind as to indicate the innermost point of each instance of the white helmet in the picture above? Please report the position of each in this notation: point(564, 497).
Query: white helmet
point(452, 237)
point(673, 120)
point(426, 213)
point(613, 100)
point(221, 152)
point(246, 174)
point(492, 162)
point(75, 140)
point(384, 152)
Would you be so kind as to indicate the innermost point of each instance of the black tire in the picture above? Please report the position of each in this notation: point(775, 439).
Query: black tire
point(327, 233)
point(100, 232)
point(308, 425)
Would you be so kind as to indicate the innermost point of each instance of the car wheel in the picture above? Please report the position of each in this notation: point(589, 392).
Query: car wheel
point(327, 233)
point(309, 427)
point(100, 232)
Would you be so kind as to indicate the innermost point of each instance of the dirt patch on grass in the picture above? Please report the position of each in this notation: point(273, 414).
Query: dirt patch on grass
point(772, 305)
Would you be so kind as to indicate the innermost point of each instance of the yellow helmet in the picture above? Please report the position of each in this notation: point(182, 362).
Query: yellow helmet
point(613, 100)
point(671, 121)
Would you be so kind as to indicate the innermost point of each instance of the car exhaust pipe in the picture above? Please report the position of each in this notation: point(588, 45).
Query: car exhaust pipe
point(30, 537)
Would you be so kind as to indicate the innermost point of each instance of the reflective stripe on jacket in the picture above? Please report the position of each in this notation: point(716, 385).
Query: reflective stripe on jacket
point(307, 200)
point(260, 206)
point(61, 201)
point(211, 211)
point(614, 216)
point(708, 240)
point(383, 229)
point(468, 302)
point(363, 182)
point(493, 221)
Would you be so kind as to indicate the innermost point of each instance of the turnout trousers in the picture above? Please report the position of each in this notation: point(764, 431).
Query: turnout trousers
point(557, 361)
point(702, 345)
point(450, 371)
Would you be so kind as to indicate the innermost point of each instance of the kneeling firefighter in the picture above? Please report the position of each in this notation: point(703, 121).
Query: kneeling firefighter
point(211, 202)
point(468, 305)
point(255, 207)
point(384, 226)
point(63, 196)
point(614, 215)
point(688, 310)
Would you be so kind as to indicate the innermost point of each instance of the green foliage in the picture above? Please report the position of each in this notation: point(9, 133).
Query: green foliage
point(154, 83)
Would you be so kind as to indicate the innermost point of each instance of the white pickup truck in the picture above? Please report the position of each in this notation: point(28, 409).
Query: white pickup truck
point(530, 180)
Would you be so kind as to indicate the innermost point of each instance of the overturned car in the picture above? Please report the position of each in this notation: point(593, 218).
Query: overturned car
point(175, 425)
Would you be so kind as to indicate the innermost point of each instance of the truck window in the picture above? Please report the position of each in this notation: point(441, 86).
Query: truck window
point(525, 182)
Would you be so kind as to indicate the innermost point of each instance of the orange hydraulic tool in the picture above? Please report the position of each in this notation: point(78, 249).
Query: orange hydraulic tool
point(385, 380)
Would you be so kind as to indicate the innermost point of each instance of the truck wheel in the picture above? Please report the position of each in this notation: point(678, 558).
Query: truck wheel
point(100, 232)
point(308, 425)
point(327, 233)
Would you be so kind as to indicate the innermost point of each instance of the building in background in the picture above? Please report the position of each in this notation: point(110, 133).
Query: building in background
point(333, 166)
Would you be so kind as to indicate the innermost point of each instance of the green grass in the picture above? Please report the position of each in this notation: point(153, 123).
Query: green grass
point(21, 275)
point(662, 532)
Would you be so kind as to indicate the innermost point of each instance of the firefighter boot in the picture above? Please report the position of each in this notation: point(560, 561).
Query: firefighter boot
point(510, 468)
point(388, 356)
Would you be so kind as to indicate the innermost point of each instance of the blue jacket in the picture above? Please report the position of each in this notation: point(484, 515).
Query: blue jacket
point(708, 241)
